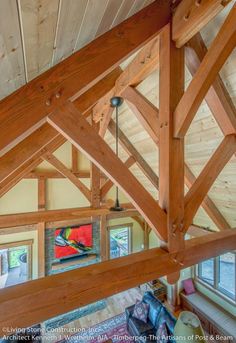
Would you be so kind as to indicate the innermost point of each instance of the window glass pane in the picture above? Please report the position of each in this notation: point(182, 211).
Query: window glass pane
point(227, 274)
point(206, 271)
point(14, 266)
point(119, 242)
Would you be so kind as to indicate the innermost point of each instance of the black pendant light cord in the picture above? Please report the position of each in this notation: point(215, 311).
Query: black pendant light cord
point(117, 145)
point(116, 102)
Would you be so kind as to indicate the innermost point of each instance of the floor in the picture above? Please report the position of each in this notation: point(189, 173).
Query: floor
point(115, 305)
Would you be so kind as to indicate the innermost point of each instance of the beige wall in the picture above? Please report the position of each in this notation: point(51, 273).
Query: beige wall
point(21, 198)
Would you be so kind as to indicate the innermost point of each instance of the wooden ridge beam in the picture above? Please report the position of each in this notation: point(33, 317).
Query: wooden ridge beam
point(77, 130)
point(49, 157)
point(205, 180)
point(213, 61)
point(76, 74)
point(145, 62)
point(61, 293)
point(132, 151)
point(108, 184)
point(191, 16)
point(217, 98)
point(207, 204)
point(144, 110)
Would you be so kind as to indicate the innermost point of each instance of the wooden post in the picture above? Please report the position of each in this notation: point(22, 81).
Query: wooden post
point(171, 150)
point(146, 233)
point(41, 227)
point(74, 159)
point(95, 179)
point(103, 238)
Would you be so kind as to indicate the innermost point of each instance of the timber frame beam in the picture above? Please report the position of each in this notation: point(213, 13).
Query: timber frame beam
point(64, 292)
point(70, 123)
point(219, 51)
point(65, 96)
point(78, 73)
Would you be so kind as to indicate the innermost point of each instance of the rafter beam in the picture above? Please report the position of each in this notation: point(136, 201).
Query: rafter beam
point(145, 62)
point(144, 110)
point(88, 100)
point(108, 184)
point(25, 150)
point(207, 204)
point(132, 151)
point(68, 174)
point(74, 127)
point(218, 99)
point(191, 16)
point(25, 168)
point(79, 72)
point(205, 180)
point(213, 61)
point(58, 294)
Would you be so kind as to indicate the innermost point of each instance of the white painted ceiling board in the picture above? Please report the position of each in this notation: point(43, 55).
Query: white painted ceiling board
point(69, 24)
point(112, 9)
point(12, 72)
point(91, 21)
point(123, 12)
point(39, 22)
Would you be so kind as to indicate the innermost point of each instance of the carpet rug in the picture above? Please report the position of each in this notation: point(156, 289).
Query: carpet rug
point(113, 328)
point(74, 315)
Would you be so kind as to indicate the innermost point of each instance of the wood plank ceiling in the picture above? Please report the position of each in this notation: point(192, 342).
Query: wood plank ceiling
point(37, 34)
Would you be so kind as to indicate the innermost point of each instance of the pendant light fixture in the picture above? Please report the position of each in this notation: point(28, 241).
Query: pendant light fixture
point(116, 102)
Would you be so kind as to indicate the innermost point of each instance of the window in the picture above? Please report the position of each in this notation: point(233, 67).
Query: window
point(220, 274)
point(119, 241)
point(15, 263)
point(206, 270)
point(227, 274)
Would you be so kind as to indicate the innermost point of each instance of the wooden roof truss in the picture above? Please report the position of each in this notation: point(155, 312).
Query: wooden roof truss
point(61, 101)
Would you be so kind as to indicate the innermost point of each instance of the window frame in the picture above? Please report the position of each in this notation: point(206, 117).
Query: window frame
point(215, 288)
point(17, 244)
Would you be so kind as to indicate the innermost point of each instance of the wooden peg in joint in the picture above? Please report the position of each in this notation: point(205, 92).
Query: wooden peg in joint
point(198, 2)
